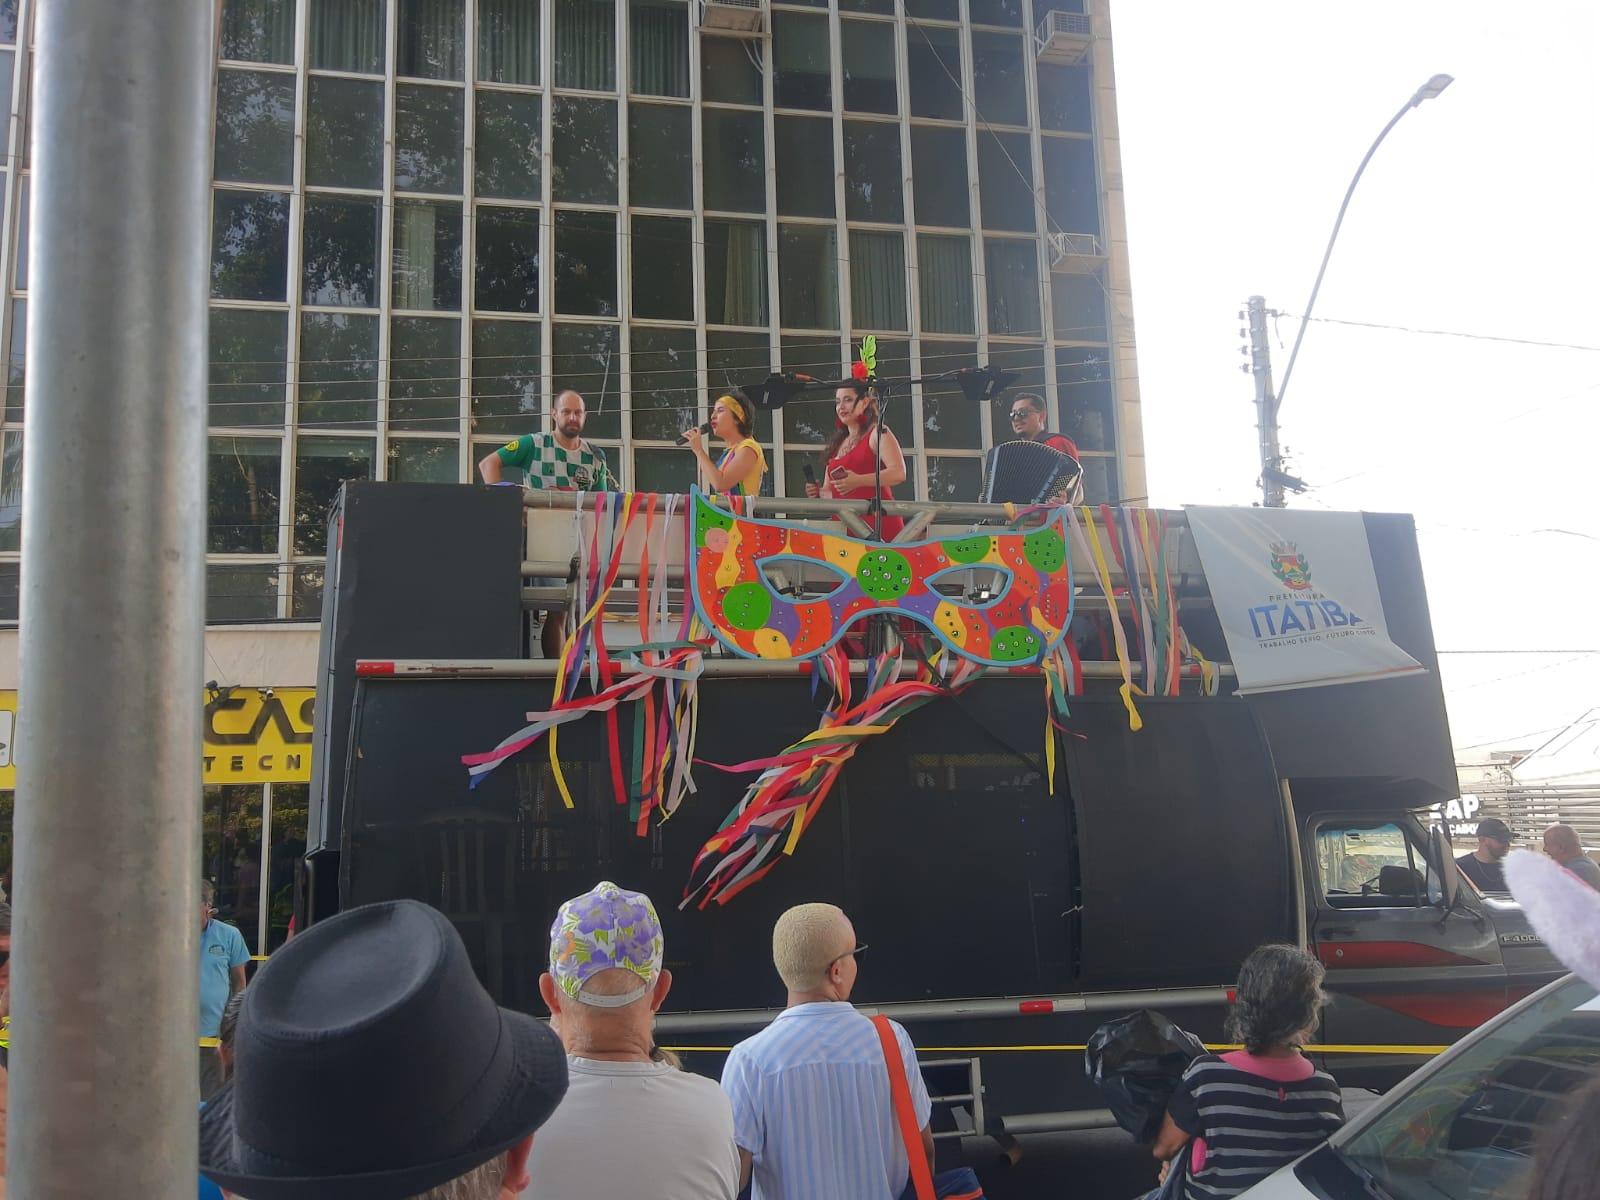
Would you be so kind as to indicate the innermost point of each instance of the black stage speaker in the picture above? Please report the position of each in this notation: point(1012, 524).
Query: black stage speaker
point(415, 570)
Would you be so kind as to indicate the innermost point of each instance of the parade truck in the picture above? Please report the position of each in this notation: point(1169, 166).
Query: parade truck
point(1057, 765)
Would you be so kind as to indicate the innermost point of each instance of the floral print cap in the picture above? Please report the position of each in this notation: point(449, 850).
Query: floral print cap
point(605, 928)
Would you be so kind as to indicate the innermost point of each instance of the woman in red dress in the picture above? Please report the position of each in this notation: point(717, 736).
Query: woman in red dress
point(851, 457)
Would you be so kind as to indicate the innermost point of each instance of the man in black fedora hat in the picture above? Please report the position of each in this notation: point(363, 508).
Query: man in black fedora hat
point(370, 1064)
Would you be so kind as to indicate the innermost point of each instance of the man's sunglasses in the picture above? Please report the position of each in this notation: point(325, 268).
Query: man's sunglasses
point(848, 954)
point(1021, 414)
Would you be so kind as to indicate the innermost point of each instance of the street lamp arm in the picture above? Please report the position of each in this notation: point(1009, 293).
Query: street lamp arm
point(1427, 91)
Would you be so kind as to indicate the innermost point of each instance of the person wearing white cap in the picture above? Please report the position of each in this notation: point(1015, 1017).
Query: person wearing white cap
point(630, 1125)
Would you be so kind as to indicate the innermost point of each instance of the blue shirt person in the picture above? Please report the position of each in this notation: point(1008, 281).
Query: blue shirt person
point(223, 955)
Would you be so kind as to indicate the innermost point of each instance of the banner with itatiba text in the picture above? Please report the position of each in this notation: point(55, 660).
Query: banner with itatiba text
point(1297, 597)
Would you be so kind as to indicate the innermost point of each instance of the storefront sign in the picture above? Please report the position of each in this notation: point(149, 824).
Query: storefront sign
point(252, 735)
point(1297, 597)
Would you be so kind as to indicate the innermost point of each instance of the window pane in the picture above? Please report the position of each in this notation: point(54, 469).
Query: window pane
point(1078, 306)
point(939, 177)
point(506, 392)
point(320, 466)
point(804, 152)
point(256, 30)
point(428, 138)
point(10, 587)
point(255, 126)
point(663, 268)
point(934, 59)
point(586, 264)
point(808, 279)
point(661, 171)
point(872, 182)
point(426, 263)
point(506, 158)
point(431, 37)
point(424, 460)
point(660, 47)
point(425, 374)
point(999, 89)
point(800, 56)
point(16, 372)
point(347, 35)
point(586, 45)
point(954, 479)
point(894, 362)
point(885, 7)
point(250, 245)
point(585, 357)
point(944, 275)
point(338, 370)
point(1064, 99)
point(736, 272)
point(1005, 181)
point(1100, 481)
point(11, 493)
point(1071, 190)
point(933, 10)
point(949, 419)
point(1083, 379)
point(305, 604)
point(995, 12)
point(341, 251)
point(508, 41)
point(867, 48)
point(877, 280)
point(344, 133)
point(1027, 361)
point(249, 353)
point(735, 170)
point(737, 358)
point(665, 393)
point(24, 216)
point(242, 495)
point(584, 133)
point(241, 592)
point(728, 71)
point(1011, 278)
point(663, 471)
point(507, 265)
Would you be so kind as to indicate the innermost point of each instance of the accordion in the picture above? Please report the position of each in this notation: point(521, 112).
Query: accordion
point(1025, 472)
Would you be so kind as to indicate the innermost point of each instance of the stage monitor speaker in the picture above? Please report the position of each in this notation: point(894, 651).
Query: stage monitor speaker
point(414, 570)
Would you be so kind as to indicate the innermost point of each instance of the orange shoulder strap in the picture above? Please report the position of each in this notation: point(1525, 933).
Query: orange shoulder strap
point(900, 1095)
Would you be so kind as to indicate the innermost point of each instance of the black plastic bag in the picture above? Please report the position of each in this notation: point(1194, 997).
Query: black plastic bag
point(1136, 1062)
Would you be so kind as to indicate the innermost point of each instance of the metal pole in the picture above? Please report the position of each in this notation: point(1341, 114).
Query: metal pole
point(1266, 404)
point(104, 1081)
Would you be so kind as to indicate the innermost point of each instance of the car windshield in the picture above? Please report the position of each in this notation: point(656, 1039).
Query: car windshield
point(1468, 1132)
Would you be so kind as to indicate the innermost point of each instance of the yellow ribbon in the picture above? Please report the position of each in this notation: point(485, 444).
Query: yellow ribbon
point(1103, 574)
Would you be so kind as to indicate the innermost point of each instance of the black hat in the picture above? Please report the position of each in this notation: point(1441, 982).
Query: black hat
point(1494, 827)
point(370, 1064)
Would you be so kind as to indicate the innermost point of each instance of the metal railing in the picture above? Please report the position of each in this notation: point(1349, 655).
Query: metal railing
point(1074, 245)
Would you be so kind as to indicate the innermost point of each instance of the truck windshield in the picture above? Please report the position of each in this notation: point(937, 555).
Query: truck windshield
point(1468, 1132)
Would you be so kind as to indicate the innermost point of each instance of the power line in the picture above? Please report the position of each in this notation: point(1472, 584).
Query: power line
point(1454, 333)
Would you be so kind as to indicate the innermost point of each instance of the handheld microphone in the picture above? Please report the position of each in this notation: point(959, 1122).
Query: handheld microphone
point(705, 431)
point(811, 475)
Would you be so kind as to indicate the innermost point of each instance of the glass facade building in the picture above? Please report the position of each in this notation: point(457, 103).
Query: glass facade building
point(430, 215)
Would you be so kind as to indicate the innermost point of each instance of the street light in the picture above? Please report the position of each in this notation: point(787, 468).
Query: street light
point(1427, 91)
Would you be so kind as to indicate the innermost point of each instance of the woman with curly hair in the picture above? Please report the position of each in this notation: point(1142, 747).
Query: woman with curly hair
point(1246, 1113)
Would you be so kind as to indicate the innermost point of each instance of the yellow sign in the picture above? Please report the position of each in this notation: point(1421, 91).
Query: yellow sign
point(252, 735)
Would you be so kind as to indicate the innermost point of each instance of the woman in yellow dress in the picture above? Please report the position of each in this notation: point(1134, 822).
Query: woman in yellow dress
point(738, 472)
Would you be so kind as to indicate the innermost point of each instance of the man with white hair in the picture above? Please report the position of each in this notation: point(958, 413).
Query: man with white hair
point(630, 1125)
point(812, 1109)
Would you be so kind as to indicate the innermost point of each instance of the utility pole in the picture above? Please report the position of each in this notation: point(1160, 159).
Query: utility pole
point(1266, 405)
point(104, 1068)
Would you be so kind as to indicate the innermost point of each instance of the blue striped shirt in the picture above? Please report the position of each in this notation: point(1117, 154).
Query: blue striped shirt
point(811, 1105)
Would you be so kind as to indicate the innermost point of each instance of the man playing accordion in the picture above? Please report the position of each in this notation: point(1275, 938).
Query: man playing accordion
point(1039, 467)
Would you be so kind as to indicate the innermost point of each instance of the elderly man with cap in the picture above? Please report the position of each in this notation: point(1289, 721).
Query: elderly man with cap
point(630, 1125)
point(1482, 866)
point(370, 1064)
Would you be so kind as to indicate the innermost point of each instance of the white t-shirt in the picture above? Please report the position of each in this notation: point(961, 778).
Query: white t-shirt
point(640, 1129)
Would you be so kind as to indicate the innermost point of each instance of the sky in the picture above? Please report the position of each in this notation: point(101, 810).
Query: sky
point(1242, 123)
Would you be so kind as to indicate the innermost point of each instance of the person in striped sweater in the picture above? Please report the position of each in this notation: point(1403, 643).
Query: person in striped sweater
point(1244, 1114)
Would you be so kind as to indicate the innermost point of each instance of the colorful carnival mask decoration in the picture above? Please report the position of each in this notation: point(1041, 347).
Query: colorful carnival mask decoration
point(1022, 623)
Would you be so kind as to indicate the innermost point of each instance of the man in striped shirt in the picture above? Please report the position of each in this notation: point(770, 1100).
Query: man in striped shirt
point(812, 1113)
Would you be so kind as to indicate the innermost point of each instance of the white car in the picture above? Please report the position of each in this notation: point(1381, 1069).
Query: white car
point(1464, 1126)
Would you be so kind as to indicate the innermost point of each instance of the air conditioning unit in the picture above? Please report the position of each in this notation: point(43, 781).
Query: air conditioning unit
point(1076, 253)
point(734, 18)
point(1063, 37)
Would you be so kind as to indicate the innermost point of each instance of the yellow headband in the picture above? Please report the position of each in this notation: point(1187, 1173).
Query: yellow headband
point(734, 404)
